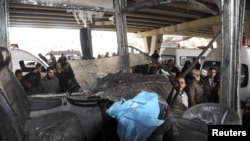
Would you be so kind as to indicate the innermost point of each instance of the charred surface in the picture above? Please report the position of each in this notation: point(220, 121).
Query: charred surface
point(117, 85)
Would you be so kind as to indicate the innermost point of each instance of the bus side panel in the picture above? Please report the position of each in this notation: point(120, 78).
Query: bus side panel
point(215, 55)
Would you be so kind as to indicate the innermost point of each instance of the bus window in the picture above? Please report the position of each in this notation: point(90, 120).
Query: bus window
point(167, 57)
point(210, 64)
point(244, 76)
point(183, 59)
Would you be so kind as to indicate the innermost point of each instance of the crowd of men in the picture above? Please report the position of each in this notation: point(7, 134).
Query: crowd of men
point(193, 87)
point(59, 78)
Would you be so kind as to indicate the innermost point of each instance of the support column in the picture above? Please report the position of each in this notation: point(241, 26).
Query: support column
point(155, 44)
point(86, 43)
point(147, 43)
point(121, 28)
point(4, 24)
point(152, 43)
point(232, 24)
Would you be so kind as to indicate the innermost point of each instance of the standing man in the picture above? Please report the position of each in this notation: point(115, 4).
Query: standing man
point(211, 83)
point(155, 55)
point(38, 69)
point(62, 60)
point(197, 89)
point(50, 83)
point(53, 60)
point(173, 69)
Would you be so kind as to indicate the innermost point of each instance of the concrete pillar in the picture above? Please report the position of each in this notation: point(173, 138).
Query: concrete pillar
point(152, 43)
point(147, 43)
point(121, 28)
point(4, 24)
point(155, 43)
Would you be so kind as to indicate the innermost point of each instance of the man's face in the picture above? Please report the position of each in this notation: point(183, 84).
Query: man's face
point(182, 83)
point(39, 68)
point(58, 66)
point(19, 76)
point(211, 73)
point(170, 63)
point(51, 73)
point(196, 74)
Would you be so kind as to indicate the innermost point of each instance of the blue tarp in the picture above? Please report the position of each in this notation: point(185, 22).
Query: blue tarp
point(137, 117)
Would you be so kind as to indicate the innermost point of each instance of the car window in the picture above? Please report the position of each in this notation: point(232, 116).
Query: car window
point(29, 65)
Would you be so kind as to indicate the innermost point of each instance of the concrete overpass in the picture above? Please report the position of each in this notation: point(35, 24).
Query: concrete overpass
point(210, 26)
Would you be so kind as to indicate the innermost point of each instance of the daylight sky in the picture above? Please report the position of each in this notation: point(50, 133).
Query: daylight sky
point(40, 40)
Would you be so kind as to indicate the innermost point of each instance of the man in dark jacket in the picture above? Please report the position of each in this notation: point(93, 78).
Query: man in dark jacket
point(211, 82)
point(50, 83)
point(62, 60)
point(155, 55)
point(197, 89)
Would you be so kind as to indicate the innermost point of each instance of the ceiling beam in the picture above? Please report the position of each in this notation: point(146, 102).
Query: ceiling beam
point(149, 21)
point(40, 16)
point(41, 21)
point(192, 7)
point(80, 5)
point(39, 12)
point(157, 17)
point(187, 26)
point(185, 10)
point(167, 12)
point(34, 7)
point(146, 3)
